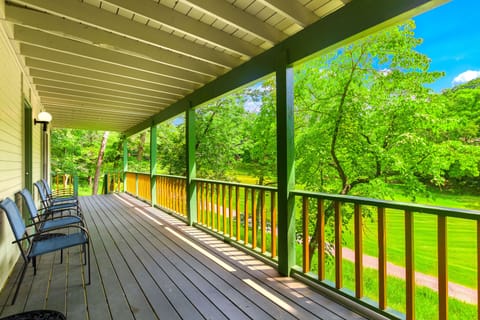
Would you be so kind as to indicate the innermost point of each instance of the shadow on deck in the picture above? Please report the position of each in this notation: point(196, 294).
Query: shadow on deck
point(148, 265)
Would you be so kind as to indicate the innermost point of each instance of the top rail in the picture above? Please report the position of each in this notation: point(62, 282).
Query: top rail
point(435, 210)
point(242, 185)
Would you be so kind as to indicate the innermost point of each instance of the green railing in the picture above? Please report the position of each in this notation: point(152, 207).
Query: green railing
point(329, 211)
point(247, 214)
point(241, 212)
point(112, 182)
point(64, 184)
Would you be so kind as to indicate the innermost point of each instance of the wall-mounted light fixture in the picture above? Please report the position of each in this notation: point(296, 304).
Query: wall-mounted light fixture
point(43, 117)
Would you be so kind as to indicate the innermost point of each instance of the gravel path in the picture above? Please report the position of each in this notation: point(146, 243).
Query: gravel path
point(456, 291)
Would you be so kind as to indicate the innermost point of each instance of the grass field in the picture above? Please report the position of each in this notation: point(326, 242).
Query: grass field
point(461, 237)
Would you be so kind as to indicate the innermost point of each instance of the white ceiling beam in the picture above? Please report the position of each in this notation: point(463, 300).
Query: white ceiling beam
point(38, 74)
point(102, 19)
point(176, 77)
point(83, 88)
point(75, 103)
point(69, 107)
point(228, 13)
point(98, 96)
point(197, 29)
point(167, 92)
point(102, 38)
point(172, 86)
point(293, 10)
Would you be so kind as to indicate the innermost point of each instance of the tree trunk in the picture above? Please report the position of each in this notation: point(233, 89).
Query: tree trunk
point(141, 148)
point(99, 163)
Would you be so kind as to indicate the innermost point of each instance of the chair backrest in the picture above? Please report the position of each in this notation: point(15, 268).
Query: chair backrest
point(14, 217)
point(43, 195)
point(47, 188)
point(32, 209)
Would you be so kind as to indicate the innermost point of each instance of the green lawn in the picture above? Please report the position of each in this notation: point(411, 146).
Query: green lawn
point(461, 239)
point(426, 300)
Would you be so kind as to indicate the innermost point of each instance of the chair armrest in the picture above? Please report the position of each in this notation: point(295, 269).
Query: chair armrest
point(33, 235)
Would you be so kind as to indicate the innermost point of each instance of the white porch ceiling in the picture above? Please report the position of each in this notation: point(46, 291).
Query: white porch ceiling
point(113, 64)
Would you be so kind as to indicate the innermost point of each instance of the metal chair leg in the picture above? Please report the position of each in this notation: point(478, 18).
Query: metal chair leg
point(20, 279)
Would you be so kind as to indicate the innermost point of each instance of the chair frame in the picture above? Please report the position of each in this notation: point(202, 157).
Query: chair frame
point(43, 222)
point(49, 207)
point(57, 241)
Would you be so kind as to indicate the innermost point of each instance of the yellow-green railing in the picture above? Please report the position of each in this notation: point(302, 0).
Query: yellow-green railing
point(328, 211)
point(245, 213)
point(171, 193)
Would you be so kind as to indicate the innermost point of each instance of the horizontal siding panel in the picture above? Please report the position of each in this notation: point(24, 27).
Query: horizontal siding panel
point(11, 178)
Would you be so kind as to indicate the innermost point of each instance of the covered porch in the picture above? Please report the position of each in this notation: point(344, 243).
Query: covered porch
point(147, 264)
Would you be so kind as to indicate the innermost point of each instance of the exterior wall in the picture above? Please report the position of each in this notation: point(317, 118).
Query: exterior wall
point(13, 89)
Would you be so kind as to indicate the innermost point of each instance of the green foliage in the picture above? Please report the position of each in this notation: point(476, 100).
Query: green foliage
point(75, 151)
point(221, 127)
point(171, 147)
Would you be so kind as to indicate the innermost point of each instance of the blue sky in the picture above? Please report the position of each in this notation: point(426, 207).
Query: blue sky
point(452, 40)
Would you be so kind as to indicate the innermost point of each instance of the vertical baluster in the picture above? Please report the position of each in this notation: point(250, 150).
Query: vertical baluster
point(263, 222)
point(245, 218)
point(160, 191)
point(208, 203)
point(338, 245)
point(321, 239)
point(175, 195)
point(254, 218)
point(305, 242)
point(212, 201)
point(237, 211)
point(273, 223)
point(382, 259)
point(204, 202)
point(478, 269)
point(217, 209)
point(442, 268)
point(224, 209)
point(358, 251)
point(409, 265)
point(230, 211)
point(199, 202)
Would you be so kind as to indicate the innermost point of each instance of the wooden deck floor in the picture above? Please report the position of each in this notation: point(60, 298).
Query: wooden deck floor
point(149, 265)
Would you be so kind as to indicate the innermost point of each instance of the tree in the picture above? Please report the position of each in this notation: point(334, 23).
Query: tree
point(364, 119)
point(101, 152)
point(221, 127)
point(261, 149)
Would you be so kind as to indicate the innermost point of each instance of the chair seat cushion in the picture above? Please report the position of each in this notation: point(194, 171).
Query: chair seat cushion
point(59, 222)
point(57, 243)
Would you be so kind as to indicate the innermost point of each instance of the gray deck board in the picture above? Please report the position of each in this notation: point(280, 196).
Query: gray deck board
point(149, 265)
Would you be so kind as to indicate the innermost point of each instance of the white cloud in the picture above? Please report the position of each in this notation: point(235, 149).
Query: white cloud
point(466, 76)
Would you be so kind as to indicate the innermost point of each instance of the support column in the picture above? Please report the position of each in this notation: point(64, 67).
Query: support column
point(125, 163)
point(191, 165)
point(153, 163)
point(285, 167)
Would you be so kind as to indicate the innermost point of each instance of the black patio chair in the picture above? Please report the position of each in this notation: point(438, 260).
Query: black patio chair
point(56, 199)
point(50, 207)
point(43, 222)
point(36, 315)
point(40, 244)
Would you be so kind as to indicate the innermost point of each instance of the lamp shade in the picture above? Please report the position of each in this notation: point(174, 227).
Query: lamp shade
point(44, 117)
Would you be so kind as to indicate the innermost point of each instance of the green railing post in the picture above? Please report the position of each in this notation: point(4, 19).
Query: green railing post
point(191, 166)
point(125, 163)
point(75, 185)
point(285, 167)
point(136, 184)
point(153, 164)
point(105, 184)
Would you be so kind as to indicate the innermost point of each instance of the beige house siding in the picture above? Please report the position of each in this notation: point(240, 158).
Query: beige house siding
point(11, 142)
